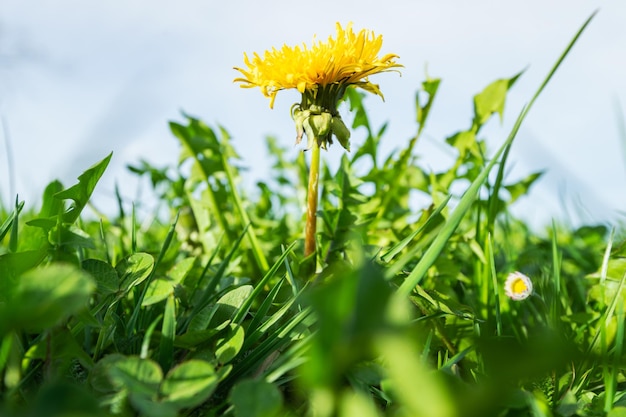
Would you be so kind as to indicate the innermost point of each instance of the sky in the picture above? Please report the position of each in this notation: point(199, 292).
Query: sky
point(79, 80)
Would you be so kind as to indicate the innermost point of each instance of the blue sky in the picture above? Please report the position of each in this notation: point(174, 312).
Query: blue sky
point(81, 79)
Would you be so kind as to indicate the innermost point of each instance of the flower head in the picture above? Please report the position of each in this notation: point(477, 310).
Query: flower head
point(321, 73)
point(518, 286)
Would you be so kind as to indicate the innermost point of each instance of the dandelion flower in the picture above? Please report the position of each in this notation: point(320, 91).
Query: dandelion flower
point(321, 73)
point(518, 286)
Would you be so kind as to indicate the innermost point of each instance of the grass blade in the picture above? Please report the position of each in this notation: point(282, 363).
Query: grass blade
point(259, 287)
point(470, 194)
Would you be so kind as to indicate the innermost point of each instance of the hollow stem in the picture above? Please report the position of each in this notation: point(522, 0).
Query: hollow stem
point(311, 206)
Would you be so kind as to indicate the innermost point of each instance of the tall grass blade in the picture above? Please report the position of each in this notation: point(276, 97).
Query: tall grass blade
point(259, 287)
point(137, 310)
point(258, 254)
point(12, 219)
point(555, 304)
point(209, 292)
point(494, 278)
point(470, 194)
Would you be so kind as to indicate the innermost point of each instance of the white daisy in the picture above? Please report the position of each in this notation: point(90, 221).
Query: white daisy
point(518, 286)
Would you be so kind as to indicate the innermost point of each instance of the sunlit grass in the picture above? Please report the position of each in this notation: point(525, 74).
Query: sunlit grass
point(211, 309)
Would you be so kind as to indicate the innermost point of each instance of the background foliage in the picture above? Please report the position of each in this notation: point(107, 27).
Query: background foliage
point(210, 312)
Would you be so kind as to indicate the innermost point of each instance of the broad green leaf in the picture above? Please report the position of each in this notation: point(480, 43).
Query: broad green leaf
point(228, 305)
point(357, 404)
point(229, 346)
point(194, 338)
point(151, 407)
point(256, 398)
point(99, 376)
point(12, 265)
point(189, 384)
point(568, 405)
point(106, 277)
point(69, 236)
point(350, 311)
point(44, 297)
point(81, 192)
point(51, 206)
point(136, 375)
point(158, 290)
point(617, 412)
point(201, 320)
point(420, 390)
point(182, 268)
point(134, 269)
point(60, 398)
point(615, 270)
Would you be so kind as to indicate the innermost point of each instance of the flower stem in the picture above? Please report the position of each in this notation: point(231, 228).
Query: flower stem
point(311, 207)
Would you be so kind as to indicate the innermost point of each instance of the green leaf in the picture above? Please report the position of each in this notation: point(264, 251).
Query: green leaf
point(201, 320)
point(8, 224)
point(357, 404)
point(81, 192)
point(229, 304)
point(182, 268)
point(491, 100)
point(229, 346)
point(245, 307)
point(189, 384)
point(420, 390)
point(430, 87)
point(617, 412)
point(12, 265)
point(138, 376)
point(105, 275)
point(69, 236)
point(51, 206)
point(463, 141)
point(194, 338)
point(256, 398)
point(158, 290)
point(168, 332)
point(356, 107)
point(59, 398)
point(99, 378)
point(44, 297)
point(521, 187)
point(150, 407)
point(134, 269)
point(350, 310)
point(60, 346)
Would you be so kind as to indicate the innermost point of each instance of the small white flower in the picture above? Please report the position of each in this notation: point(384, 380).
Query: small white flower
point(518, 286)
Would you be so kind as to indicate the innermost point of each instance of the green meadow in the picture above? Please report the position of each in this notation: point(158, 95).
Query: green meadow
point(208, 306)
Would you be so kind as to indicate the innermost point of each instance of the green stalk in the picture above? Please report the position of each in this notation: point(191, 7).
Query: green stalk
point(311, 206)
point(259, 257)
